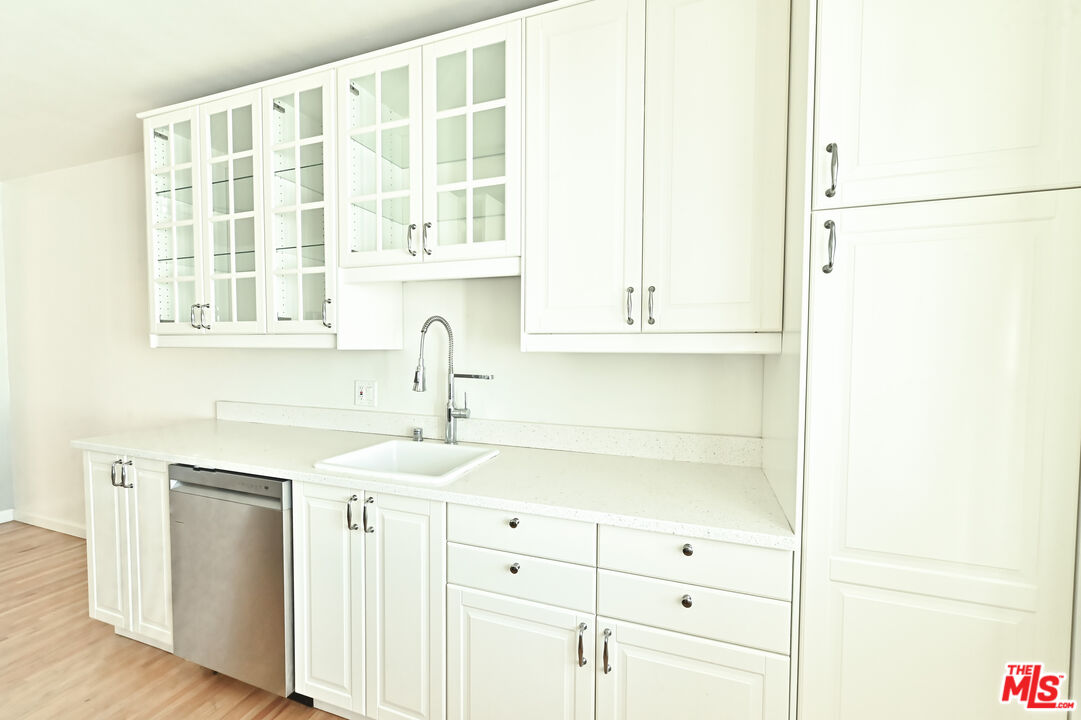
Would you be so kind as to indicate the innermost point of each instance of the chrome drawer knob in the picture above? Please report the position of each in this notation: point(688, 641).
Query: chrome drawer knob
point(515, 568)
point(687, 601)
point(688, 550)
point(514, 522)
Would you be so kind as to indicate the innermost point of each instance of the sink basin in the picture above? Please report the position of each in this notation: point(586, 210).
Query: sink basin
point(427, 463)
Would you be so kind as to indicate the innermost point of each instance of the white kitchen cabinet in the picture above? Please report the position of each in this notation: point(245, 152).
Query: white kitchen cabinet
point(380, 178)
point(127, 545)
point(924, 100)
point(232, 218)
point(512, 658)
point(171, 156)
point(328, 591)
point(714, 191)
point(644, 674)
point(405, 608)
point(583, 250)
point(944, 418)
point(655, 204)
point(301, 251)
point(434, 176)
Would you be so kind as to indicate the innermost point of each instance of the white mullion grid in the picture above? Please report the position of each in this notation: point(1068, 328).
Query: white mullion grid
point(297, 199)
point(478, 107)
point(468, 146)
point(378, 161)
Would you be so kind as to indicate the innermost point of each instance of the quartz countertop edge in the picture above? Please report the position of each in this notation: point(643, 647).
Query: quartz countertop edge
point(701, 500)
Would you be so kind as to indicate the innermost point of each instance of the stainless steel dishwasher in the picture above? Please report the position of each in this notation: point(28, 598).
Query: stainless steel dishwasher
point(232, 574)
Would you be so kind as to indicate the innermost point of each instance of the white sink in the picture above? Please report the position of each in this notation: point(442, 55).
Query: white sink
point(427, 463)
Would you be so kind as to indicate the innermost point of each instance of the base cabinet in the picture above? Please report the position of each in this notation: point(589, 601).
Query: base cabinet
point(368, 594)
point(643, 674)
point(328, 596)
point(127, 546)
point(509, 658)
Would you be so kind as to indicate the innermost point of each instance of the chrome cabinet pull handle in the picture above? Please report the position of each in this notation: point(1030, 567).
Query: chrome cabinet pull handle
point(686, 600)
point(630, 292)
point(582, 627)
point(112, 474)
point(364, 515)
point(409, 239)
point(349, 524)
point(514, 522)
point(202, 316)
point(193, 306)
point(515, 568)
point(124, 475)
point(326, 302)
point(424, 238)
point(688, 550)
point(607, 667)
point(832, 150)
point(652, 289)
point(832, 227)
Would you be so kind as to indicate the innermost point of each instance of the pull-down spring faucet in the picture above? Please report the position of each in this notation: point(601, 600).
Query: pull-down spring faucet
point(420, 383)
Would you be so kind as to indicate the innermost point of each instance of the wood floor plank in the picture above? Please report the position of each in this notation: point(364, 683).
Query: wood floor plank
point(55, 662)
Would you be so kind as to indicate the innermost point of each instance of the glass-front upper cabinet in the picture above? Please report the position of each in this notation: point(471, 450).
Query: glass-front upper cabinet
point(379, 122)
point(300, 249)
point(171, 149)
point(232, 219)
point(472, 145)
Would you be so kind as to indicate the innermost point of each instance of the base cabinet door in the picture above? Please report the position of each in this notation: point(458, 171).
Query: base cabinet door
point(149, 554)
point(328, 591)
point(404, 543)
point(509, 658)
point(944, 431)
point(106, 540)
point(127, 546)
point(644, 674)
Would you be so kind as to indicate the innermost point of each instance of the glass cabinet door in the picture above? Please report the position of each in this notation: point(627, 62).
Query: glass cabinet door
point(176, 291)
point(472, 145)
point(233, 239)
point(379, 140)
point(300, 249)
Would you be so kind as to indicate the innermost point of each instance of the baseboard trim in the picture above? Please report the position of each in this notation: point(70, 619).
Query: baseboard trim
point(51, 524)
point(6, 516)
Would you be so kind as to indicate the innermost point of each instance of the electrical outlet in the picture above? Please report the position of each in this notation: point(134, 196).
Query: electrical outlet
point(364, 393)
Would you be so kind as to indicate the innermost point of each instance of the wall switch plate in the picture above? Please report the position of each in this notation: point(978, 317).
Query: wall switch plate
point(364, 393)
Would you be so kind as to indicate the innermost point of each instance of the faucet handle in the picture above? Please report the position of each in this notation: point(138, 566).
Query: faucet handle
point(474, 376)
point(465, 403)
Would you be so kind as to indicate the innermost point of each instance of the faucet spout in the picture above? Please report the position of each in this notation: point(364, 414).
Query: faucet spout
point(420, 383)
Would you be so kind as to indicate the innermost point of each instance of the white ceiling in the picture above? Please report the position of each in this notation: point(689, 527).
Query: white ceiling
point(74, 73)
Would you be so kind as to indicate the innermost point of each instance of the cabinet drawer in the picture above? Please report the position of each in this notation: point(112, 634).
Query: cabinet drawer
point(537, 535)
point(712, 563)
point(730, 617)
point(543, 581)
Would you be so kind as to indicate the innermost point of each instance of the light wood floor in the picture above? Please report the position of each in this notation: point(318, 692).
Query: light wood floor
point(55, 662)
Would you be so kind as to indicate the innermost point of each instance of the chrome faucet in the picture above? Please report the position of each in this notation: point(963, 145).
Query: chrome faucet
point(420, 383)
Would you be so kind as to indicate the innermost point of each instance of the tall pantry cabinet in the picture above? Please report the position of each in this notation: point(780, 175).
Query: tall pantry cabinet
point(944, 355)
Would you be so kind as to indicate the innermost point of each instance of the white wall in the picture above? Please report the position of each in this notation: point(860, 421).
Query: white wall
point(7, 497)
point(81, 365)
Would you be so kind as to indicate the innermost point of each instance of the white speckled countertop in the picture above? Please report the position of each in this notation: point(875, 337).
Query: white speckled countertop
point(694, 499)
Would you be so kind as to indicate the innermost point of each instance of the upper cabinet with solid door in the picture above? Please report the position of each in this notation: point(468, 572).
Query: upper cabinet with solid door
point(430, 159)
point(924, 100)
point(655, 176)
